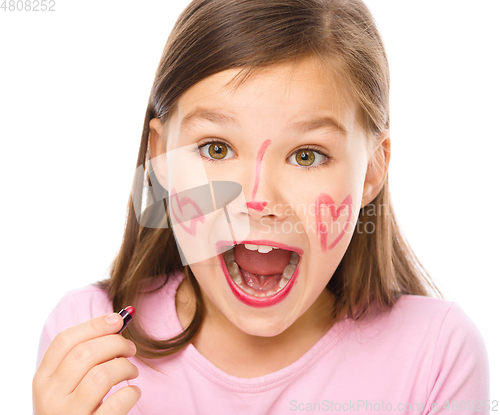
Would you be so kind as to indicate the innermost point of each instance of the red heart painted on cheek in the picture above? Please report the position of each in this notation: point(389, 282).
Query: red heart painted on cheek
point(181, 204)
point(322, 228)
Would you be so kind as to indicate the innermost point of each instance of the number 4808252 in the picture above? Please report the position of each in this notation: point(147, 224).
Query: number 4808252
point(28, 5)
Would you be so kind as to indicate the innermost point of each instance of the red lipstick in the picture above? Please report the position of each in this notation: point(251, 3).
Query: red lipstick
point(127, 313)
point(250, 300)
point(254, 301)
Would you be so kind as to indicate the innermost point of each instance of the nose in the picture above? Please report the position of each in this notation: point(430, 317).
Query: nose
point(258, 206)
point(263, 197)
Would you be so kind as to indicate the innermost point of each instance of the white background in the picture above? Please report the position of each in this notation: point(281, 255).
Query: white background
point(74, 85)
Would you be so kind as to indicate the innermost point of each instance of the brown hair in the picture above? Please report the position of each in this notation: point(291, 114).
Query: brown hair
point(211, 36)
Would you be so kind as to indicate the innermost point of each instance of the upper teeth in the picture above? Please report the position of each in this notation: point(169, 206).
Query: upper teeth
point(263, 249)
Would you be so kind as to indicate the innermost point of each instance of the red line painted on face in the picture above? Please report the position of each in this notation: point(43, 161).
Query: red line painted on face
point(260, 155)
point(322, 228)
point(258, 206)
point(180, 205)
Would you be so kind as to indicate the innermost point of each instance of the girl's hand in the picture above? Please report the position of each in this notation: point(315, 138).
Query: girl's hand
point(79, 368)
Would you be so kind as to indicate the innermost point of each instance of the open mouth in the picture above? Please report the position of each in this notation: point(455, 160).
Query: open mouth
point(261, 270)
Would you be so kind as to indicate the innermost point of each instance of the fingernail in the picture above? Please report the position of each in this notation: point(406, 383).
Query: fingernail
point(113, 319)
point(133, 349)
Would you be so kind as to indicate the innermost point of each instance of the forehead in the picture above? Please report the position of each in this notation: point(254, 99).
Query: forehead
point(280, 93)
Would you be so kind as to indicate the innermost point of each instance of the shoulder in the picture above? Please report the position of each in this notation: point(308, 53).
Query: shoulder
point(433, 330)
point(424, 311)
point(454, 324)
point(91, 301)
point(448, 341)
point(92, 296)
point(441, 320)
point(79, 305)
point(86, 302)
point(76, 306)
point(436, 316)
point(414, 313)
point(433, 341)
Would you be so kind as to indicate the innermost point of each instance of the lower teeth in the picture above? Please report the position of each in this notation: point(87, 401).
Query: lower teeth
point(234, 271)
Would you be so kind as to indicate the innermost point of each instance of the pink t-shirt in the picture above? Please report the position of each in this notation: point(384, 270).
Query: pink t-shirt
point(424, 356)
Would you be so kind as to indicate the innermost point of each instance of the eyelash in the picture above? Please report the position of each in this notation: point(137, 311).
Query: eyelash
point(307, 148)
point(316, 150)
point(211, 141)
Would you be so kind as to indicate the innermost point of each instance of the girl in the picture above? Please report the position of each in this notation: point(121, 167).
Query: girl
point(264, 262)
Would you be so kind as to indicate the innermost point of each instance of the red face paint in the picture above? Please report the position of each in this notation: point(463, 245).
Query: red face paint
point(322, 227)
point(259, 206)
point(185, 201)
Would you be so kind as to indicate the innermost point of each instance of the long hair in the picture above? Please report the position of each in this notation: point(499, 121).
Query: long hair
point(211, 36)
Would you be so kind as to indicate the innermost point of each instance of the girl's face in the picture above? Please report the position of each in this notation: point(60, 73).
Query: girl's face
point(292, 139)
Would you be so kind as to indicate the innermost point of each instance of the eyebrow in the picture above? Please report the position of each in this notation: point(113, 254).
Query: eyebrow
point(202, 114)
point(216, 117)
point(319, 123)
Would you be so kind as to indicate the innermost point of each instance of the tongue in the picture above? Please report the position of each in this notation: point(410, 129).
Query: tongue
point(256, 263)
point(261, 283)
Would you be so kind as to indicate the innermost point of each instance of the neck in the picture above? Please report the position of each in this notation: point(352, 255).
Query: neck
point(244, 355)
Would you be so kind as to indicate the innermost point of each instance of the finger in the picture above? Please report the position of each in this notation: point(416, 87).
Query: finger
point(67, 339)
point(120, 402)
point(100, 403)
point(85, 356)
point(100, 379)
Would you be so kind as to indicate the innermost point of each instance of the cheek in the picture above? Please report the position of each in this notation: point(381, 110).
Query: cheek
point(191, 224)
point(206, 219)
point(325, 216)
point(333, 219)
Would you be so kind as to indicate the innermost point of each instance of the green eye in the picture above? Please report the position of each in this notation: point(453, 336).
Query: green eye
point(216, 150)
point(307, 157)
